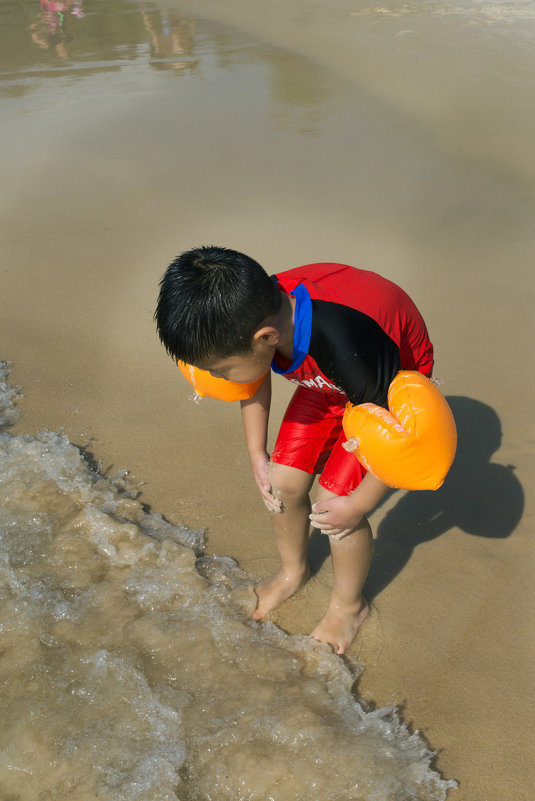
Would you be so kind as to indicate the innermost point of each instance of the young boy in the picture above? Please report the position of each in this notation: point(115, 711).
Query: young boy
point(338, 333)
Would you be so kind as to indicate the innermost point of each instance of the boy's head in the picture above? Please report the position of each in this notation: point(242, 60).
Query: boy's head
point(212, 301)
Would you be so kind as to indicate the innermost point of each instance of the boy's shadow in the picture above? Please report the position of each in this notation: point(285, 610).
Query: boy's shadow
point(479, 496)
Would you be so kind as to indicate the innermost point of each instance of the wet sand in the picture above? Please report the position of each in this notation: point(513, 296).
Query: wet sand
point(105, 180)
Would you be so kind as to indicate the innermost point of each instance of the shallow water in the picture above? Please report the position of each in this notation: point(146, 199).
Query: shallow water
point(130, 670)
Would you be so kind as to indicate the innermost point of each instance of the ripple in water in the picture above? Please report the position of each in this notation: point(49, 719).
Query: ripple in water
point(130, 672)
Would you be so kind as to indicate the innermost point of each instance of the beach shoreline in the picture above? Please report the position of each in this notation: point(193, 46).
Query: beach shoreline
point(94, 214)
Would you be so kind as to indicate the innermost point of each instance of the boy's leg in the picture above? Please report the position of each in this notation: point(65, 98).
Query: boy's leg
point(291, 528)
point(347, 610)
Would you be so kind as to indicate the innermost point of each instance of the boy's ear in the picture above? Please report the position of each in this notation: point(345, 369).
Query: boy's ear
point(267, 334)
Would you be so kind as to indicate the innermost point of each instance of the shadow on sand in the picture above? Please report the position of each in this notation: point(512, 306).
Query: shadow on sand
point(479, 496)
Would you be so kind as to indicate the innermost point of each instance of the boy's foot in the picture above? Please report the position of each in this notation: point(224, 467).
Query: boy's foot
point(273, 591)
point(339, 626)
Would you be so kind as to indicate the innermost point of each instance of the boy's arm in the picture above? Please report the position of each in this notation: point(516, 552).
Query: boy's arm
point(255, 416)
point(339, 515)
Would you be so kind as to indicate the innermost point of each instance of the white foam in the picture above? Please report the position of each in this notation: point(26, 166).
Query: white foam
point(130, 671)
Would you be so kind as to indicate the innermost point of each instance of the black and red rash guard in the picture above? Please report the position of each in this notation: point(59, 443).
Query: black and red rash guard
point(353, 331)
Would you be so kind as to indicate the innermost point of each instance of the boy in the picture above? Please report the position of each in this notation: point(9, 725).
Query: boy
point(337, 332)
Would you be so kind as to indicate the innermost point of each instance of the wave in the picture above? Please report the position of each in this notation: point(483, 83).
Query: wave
point(130, 671)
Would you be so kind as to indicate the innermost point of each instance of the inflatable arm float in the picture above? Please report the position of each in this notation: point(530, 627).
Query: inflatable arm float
point(205, 384)
point(410, 446)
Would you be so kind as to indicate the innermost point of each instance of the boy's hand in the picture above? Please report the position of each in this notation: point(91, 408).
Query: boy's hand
point(260, 465)
point(337, 517)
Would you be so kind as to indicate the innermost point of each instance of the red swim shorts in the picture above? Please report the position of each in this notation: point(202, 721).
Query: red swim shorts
point(311, 437)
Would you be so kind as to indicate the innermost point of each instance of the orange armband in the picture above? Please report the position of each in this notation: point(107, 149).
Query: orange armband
point(205, 384)
point(410, 446)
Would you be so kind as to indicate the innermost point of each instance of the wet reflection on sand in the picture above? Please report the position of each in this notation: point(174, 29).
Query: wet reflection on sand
point(69, 43)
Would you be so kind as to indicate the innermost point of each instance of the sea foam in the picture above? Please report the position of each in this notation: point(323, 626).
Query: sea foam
point(130, 671)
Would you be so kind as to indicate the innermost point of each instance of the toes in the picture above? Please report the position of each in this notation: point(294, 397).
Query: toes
point(321, 645)
point(257, 614)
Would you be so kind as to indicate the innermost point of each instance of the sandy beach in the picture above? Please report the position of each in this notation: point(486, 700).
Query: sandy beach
point(395, 141)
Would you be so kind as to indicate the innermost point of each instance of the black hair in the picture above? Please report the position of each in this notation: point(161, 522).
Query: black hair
point(212, 301)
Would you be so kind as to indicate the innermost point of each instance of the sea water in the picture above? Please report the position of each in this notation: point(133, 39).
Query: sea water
point(130, 671)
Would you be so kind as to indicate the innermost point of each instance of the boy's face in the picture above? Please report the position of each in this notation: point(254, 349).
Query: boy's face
point(247, 367)
point(242, 368)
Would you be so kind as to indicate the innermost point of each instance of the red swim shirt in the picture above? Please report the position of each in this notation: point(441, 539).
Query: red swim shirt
point(353, 331)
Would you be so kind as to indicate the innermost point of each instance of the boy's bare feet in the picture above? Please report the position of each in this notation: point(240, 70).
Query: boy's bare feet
point(273, 591)
point(339, 626)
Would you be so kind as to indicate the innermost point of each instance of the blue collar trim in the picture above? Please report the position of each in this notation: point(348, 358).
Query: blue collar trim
point(302, 330)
